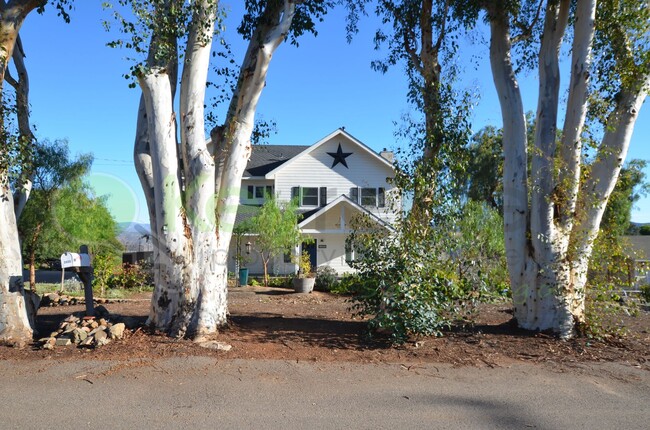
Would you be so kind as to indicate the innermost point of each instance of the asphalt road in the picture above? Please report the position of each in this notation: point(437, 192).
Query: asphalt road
point(206, 393)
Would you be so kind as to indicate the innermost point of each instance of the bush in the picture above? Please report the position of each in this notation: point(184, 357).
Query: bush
point(346, 284)
point(326, 279)
point(280, 282)
point(131, 277)
point(645, 292)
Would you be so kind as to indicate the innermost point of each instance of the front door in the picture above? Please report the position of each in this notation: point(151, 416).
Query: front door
point(311, 248)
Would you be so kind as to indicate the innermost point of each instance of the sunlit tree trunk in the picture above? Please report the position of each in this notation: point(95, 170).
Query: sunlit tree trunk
point(549, 245)
point(193, 214)
point(14, 323)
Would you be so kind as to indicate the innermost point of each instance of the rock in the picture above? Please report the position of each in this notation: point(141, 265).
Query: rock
point(103, 322)
point(63, 341)
point(101, 338)
point(71, 319)
point(47, 346)
point(94, 324)
point(99, 335)
point(116, 331)
point(78, 335)
point(101, 328)
point(87, 341)
point(217, 346)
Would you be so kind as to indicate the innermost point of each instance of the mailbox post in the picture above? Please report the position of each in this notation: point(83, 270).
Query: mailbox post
point(80, 263)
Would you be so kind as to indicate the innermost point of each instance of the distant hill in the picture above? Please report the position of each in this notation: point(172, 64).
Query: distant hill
point(135, 236)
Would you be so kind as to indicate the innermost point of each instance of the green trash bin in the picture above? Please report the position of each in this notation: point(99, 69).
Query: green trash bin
point(243, 276)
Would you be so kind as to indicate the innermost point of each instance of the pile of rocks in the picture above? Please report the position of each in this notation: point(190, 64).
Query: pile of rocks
point(89, 332)
point(56, 299)
point(61, 299)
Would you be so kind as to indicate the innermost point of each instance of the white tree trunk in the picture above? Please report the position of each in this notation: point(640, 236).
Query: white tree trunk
point(549, 257)
point(193, 234)
point(600, 184)
point(204, 298)
point(172, 251)
point(14, 323)
point(515, 170)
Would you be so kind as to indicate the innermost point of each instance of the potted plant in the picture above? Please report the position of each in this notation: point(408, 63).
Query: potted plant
point(304, 282)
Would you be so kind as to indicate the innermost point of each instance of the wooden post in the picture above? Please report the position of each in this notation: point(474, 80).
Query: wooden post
point(86, 275)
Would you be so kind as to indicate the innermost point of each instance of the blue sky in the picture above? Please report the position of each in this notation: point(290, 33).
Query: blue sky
point(78, 92)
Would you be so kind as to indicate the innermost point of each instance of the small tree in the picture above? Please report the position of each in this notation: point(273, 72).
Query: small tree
point(277, 228)
point(52, 170)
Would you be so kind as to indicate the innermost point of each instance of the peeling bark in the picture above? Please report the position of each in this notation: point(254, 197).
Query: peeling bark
point(193, 214)
point(15, 327)
point(548, 248)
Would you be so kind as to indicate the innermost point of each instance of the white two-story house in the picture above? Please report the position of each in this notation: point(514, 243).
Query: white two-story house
point(335, 179)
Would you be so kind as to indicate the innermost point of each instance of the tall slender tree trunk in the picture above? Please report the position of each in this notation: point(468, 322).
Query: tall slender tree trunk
point(15, 327)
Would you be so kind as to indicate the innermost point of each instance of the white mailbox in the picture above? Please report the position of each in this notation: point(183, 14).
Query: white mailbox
point(72, 259)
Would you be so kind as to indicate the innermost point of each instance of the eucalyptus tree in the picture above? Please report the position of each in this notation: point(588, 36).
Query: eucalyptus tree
point(422, 36)
point(552, 211)
point(51, 169)
point(14, 159)
point(192, 185)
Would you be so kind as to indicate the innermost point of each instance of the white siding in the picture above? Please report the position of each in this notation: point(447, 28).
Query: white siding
point(315, 170)
point(331, 252)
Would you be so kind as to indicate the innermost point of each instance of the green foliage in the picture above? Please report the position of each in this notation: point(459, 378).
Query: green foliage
point(645, 292)
point(75, 218)
point(400, 282)
point(132, 277)
point(630, 187)
point(326, 278)
point(104, 268)
point(644, 230)
point(346, 285)
point(111, 274)
point(276, 227)
point(304, 265)
point(480, 250)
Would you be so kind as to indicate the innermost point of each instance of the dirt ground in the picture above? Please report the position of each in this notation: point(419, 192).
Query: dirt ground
point(270, 323)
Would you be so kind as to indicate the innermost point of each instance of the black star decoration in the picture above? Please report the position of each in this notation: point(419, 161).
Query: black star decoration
point(339, 157)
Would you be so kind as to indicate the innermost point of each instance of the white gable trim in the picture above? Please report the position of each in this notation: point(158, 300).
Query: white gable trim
point(355, 205)
point(338, 132)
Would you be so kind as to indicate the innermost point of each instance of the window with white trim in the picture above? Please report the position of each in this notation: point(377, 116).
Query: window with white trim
point(310, 196)
point(369, 197)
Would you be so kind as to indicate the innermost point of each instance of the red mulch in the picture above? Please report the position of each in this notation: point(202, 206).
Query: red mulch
point(267, 323)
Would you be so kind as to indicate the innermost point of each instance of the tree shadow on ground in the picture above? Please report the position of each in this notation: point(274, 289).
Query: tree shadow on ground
point(308, 331)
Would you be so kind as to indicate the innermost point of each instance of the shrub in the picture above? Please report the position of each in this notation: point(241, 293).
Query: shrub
point(645, 292)
point(131, 277)
point(326, 278)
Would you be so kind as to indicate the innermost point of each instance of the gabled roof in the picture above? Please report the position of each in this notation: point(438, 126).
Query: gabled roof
point(307, 149)
point(309, 217)
point(265, 158)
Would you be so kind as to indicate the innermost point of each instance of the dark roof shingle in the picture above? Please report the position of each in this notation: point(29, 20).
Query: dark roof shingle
point(265, 158)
